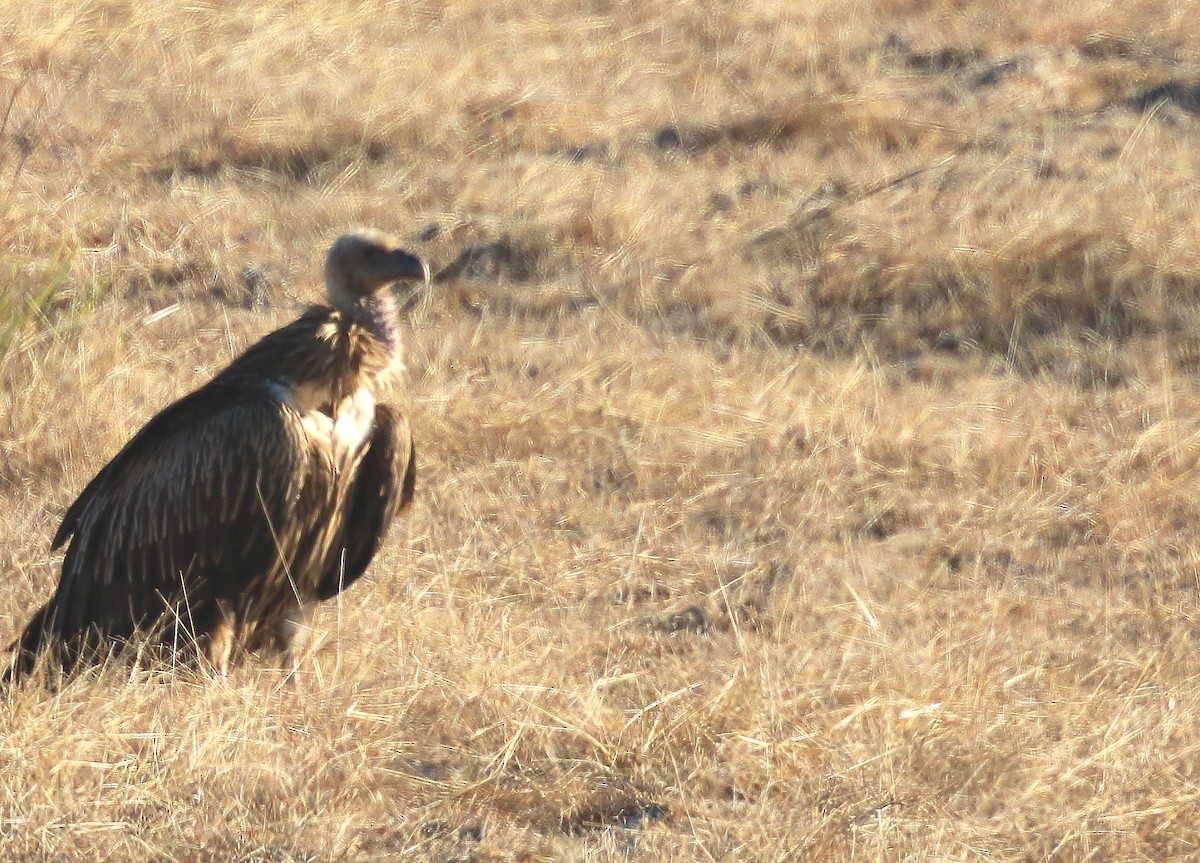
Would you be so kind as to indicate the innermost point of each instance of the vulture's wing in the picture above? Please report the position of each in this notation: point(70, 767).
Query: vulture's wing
point(193, 507)
point(382, 488)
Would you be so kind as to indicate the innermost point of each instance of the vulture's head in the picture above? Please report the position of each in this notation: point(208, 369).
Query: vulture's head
point(366, 261)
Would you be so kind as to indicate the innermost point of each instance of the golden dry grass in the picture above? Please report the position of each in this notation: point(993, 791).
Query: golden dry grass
point(808, 423)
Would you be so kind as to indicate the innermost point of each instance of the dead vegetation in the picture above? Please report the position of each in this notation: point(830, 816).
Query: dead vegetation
point(806, 405)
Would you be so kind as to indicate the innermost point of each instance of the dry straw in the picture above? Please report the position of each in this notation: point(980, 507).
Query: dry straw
point(807, 424)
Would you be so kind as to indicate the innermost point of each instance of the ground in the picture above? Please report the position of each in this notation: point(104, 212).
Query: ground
point(807, 416)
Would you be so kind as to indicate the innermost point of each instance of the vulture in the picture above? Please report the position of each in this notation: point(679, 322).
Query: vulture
point(235, 510)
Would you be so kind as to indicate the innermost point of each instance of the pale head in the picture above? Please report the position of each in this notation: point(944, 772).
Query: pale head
point(364, 262)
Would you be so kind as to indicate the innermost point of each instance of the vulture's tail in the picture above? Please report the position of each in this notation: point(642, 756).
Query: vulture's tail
point(23, 652)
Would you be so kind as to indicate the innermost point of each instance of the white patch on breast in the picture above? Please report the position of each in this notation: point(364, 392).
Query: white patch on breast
point(343, 433)
point(352, 423)
point(318, 427)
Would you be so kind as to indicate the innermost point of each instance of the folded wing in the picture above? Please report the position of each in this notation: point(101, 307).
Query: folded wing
point(201, 505)
point(382, 487)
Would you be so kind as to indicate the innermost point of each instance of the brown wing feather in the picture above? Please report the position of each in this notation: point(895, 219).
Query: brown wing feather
point(383, 486)
point(197, 504)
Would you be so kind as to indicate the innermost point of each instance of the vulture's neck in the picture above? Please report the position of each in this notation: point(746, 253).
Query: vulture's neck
point(376, 313)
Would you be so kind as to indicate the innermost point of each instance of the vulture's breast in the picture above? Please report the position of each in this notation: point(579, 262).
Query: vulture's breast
point(352, 422)
point(338, 428)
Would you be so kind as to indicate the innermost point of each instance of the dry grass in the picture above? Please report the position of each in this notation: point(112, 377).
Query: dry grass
point(808, 418)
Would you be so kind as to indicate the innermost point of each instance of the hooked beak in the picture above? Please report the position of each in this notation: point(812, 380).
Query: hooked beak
point(409, 266)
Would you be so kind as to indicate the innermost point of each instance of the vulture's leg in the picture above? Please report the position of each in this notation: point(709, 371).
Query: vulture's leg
point(295, 636)
point(219, 645)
